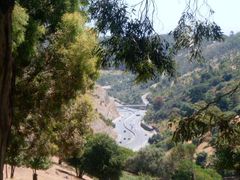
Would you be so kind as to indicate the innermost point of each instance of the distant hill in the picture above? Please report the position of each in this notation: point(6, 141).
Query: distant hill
point(196, 81)
point(124, 88)
point(199, 82)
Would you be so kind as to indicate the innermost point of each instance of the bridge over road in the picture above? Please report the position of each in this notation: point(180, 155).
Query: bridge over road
point(135, 106)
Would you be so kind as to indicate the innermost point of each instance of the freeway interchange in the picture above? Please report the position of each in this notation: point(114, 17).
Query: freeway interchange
point(128, 127)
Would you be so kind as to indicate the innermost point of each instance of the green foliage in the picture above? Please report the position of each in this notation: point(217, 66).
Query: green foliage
point(147, 161)
point(20, 21)
point(123, 86)
point(38, 162)
point(200, 82)
point(184, 171)
point(192, 31)
point(175, 164)
point(183, 151)
point(76, 162)
point(196, 93)
point(73, 50)
point(49, 11)
point(77, 159)
point(15, 153)
point(156, 138)
point(158, 102)
point(56, 65)
point(126, 153)
point(227, 159)
point(57, 62)
point(73, 127)
point(102, 157)
point(132, 42)
point(187, 170)
point(52, 67)
point(225, 129)
point(129, 176)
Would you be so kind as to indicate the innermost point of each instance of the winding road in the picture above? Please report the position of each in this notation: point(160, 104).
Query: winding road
point(128, 127)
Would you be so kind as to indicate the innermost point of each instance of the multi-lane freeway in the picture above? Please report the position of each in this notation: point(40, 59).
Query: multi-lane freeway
point(128, 127)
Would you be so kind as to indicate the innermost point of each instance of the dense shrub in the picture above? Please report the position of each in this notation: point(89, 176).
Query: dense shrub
point(227, 77)
point(196, 93)
point(147, 161)
point(102, 157)
point(187, 170)
point(158, 102)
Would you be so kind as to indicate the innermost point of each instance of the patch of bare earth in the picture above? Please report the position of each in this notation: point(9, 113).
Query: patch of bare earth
point(205, 146)
point(56, 172)
point(105, 106)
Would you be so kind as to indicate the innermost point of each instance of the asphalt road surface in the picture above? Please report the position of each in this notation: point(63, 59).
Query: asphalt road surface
point(128, 127)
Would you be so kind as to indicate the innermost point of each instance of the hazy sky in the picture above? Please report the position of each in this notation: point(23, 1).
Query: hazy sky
point(227, 14)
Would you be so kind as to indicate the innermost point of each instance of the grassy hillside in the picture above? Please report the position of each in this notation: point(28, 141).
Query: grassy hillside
point(220, 58)
point(203, 84)
point(123, 86)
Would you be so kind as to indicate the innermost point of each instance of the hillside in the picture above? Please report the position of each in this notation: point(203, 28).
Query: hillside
point(106, 111)
point(196, 84)
point(123, 86)
point(201, 85)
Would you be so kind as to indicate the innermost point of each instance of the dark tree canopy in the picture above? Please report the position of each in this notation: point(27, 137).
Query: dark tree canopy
point(102, 157)
point(134, 42)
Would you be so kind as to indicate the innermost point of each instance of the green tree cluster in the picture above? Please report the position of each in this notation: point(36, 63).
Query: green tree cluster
point(101, 158)
point(56, 67)
point(177, 164)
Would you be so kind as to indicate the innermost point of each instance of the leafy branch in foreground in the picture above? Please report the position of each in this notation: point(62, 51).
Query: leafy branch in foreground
point(134, 44)
point(194, 29)
point(210, 118)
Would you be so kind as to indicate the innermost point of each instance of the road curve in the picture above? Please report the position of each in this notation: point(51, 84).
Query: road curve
point(128, 127)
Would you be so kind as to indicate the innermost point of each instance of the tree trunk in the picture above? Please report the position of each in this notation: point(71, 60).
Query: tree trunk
point(35, 176)
point(7, 77)
point(12, 171)
point(6, 171)
point(76, 170)
point(81, 173)
point(60, 161)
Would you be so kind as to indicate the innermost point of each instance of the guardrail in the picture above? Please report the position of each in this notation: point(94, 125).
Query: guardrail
point(146, 127)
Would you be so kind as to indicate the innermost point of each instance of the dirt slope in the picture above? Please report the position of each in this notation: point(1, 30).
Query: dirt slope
point(56, 172)
point(105, 106)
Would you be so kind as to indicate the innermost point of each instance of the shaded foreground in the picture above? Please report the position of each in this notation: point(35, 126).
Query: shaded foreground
point(55, 172)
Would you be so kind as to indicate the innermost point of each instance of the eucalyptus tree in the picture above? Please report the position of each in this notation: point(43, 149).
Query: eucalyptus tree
point(6, 76)
point(46, 78)
point(50, 107)
point(55, 61)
